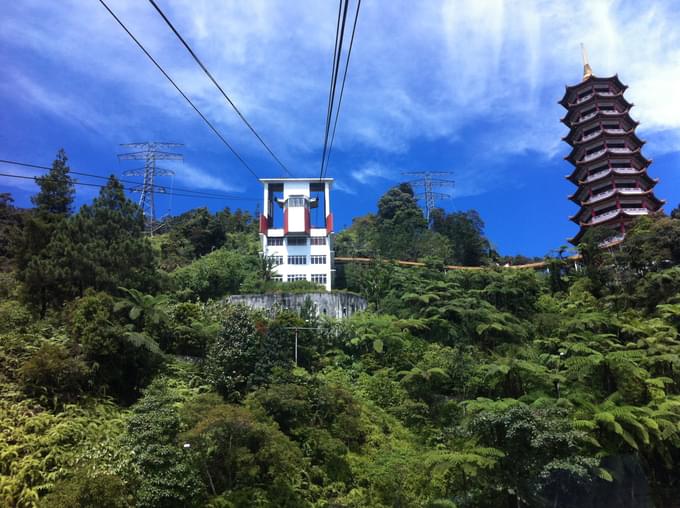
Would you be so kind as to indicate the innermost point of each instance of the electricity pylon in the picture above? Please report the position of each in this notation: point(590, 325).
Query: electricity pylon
point(150, 152)
point(428, 183)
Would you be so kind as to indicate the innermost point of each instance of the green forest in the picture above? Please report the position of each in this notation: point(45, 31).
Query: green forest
point(127, 379)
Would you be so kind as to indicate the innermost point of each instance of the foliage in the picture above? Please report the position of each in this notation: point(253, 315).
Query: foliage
point(217, 274)
point(476, 388)
point(167, 475)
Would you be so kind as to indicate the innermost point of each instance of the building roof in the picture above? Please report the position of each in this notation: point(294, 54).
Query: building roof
point(283, 180)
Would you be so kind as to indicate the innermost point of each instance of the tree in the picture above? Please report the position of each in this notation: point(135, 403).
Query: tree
point(465, 231)
point(10, 220)
point(232, 356)
point(101, 247)
point(400, 223)
point(243, 457)
point(55, 197)
point(53, 206)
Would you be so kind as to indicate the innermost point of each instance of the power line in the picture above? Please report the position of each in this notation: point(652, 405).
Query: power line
point(207, 72)
point(337, 50)
point(158, 66)
point(342, 87)
point(190, 191)
point(130, 189)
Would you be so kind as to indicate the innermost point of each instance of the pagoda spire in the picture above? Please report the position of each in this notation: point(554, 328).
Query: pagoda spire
point(587, 71)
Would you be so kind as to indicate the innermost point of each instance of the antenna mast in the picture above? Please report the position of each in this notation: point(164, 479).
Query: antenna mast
point(587, 70)
point(149, 152)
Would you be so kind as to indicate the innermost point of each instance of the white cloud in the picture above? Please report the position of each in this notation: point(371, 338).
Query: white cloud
point(341, 186)
point(419, 71)
point(198, 178)
point(372, 172)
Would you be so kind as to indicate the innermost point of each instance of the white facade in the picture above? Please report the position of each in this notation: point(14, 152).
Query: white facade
point(302, 250)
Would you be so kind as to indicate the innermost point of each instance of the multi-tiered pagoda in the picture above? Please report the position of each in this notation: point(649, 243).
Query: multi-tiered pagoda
point(610, 170)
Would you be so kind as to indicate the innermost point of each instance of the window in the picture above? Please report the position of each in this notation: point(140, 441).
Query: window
point(296, 202)
point(319, 278)
point(277, 260)
point(318, 260)
point(274, 241)
point(318, 240)
point(297, 240)
point(296, 277)
point(277, 278)
point(297, 260)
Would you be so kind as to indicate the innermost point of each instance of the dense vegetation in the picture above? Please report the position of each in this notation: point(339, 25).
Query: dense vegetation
point(127, 381)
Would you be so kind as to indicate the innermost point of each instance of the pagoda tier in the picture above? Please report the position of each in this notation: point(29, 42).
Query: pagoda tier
point(609, 168)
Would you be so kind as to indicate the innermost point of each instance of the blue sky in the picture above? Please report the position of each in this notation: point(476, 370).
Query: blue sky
point(467, 87)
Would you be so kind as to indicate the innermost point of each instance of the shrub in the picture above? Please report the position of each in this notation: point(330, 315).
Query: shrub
point(54, 374)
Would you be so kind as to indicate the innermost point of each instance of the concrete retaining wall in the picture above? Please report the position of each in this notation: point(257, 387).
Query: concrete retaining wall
point(337, 305)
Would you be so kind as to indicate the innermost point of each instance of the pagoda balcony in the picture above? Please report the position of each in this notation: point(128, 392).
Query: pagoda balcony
point(591, 136)
point(611, 241)
point(636, 211)
point(597, 154)
point(608, 193)
point(603, 217)
point(597, 197)
point(583, 99)
point(594, 155)
point(596, 176)
point(588, 116)
point(613, 213)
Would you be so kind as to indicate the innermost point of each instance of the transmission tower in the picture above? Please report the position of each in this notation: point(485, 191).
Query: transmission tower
point(150, 152)
point(428, 184)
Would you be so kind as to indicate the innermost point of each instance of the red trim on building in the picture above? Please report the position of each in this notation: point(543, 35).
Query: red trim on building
point(285, 221)
point(307, 221)
point(329, 223)
point(264, 223)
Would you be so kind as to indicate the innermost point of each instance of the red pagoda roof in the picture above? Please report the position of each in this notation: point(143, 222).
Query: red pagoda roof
point(598, 114)
point(591, 80)
point(569, 138)
point(629, 135)
point(634, 154)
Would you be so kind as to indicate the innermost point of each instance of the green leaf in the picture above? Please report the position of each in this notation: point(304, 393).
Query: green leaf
point(378, 345)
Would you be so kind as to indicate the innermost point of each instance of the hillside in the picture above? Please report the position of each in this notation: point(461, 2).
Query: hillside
point(128, 381)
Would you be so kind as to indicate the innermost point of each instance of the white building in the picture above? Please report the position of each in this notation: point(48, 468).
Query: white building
point(296, 227)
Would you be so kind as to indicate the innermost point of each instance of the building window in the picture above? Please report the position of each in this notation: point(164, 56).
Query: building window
point(296, 202)
point(274, 241)
point(318, 240)
point(319, 278)
point(297, 260)
point(297, 240)
point(297, 276)
point(318, 260)
point(277, 260)
point(277, 278)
